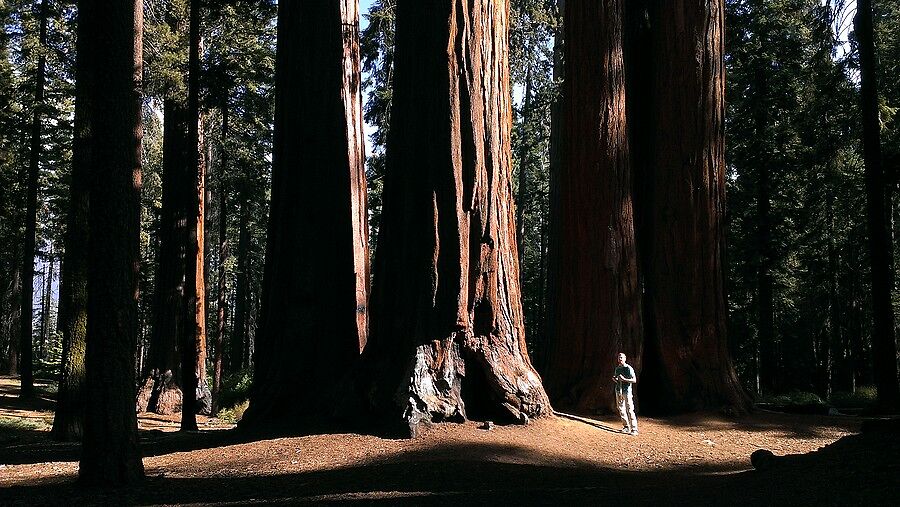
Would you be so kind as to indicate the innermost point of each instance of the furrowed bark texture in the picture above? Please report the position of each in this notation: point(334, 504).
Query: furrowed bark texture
point(447, 338)
point(686, 362)
point(110, 452)
point(68, 421)
point(314, 315)
point(596, 293)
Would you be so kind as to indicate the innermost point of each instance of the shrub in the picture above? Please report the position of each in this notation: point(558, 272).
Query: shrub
point(863, 397)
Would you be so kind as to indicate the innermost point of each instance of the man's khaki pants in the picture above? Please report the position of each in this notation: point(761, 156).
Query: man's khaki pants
point(625, 402)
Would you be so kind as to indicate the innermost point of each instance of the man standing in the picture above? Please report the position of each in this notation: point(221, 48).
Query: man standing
point(624, 377)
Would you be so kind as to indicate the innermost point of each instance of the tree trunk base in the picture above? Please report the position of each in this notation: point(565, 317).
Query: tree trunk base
point(467, 378)
point(159, 394)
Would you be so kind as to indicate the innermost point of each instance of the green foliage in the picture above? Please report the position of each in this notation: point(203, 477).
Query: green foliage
point(861, 398)
point(235, 391)
point(793, 113)
point(793, 398)
point(377, 54)
point(533, 27)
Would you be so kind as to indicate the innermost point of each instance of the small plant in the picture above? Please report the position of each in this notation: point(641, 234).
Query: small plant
point(235, 413)
point(863, 397)
point(234, 395)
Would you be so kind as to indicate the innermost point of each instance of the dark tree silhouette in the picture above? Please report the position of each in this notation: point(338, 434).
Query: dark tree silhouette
point(112, 57)
point(884, 342)
point(313, 321)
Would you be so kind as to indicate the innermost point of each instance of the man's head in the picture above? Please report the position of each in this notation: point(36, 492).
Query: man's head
point(621, 358)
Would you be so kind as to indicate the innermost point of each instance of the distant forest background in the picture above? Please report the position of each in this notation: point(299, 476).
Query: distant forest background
point(797, 268)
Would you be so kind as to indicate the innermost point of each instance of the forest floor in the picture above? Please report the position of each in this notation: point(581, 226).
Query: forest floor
point(556, 460)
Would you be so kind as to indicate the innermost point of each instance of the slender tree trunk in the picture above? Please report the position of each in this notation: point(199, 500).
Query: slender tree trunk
point(68, 421)
point(193, 338)
point(112, 56)
point(447, 339)
point(46, 303)
point(42, 330)
point(686, 362)
point(884, 343)
point(15, 315)
point(598, 302)
point(765, 304)
point(313, 320)
point(28, 249)
point(222, 250)
point(238, 358)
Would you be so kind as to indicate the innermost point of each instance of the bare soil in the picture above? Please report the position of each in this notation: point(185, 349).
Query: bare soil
point(556, 460)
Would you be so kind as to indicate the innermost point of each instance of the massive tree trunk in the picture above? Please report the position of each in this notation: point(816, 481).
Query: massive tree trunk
point(686, 362)
point(28, 245)
point(884, 343)
point(313, 316)
point(160, 391)
point(447, 338)
point(112, 57)
point(597, 300)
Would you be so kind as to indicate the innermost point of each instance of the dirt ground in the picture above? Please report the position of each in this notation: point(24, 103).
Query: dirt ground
point(554, 460)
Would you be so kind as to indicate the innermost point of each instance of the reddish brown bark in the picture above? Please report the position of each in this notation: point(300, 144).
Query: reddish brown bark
point(681, 190)
point(597, 300)
point(112, 56)
point(193, 338)
point(447, 338)
point(313, 316)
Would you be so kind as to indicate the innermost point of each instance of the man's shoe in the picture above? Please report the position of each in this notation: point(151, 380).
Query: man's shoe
point(625, 430)
point(634, 432)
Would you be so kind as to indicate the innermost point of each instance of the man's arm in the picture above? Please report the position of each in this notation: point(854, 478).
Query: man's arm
point(632, 379)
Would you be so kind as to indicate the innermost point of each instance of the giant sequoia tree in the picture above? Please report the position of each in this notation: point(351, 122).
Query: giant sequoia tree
point(111, 54)
point(596, 301)
point(447, 337)
point(313, 322)
point(681, 190)
point(160, 392)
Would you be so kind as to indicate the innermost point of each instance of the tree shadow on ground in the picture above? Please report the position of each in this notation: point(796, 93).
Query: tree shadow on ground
point(490, 474)
point(28, 446)
point(791, 425)
point(11, 401)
